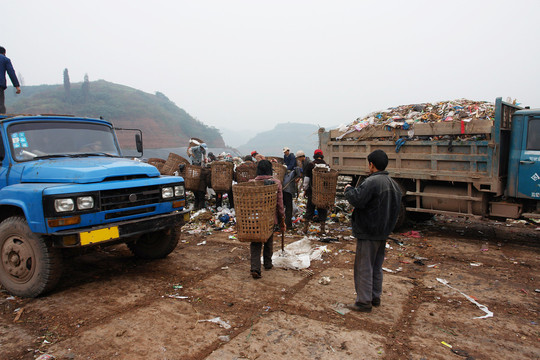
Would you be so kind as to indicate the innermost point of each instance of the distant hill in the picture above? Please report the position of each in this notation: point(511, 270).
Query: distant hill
point(296, 136)
point(164, 124)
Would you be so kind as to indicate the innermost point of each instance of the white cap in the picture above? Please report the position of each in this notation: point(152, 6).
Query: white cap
point(300, 153)
point(286, 149)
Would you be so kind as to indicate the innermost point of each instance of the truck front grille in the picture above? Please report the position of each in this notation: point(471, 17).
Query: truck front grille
point(125, 198)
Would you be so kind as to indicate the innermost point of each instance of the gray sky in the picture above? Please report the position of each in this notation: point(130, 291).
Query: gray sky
point(240, 63)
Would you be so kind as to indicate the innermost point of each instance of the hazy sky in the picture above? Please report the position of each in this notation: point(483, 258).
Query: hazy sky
point(240, 63)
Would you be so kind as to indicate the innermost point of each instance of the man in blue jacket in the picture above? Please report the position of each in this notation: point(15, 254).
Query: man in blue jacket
point(5, 66)
point(377, 203)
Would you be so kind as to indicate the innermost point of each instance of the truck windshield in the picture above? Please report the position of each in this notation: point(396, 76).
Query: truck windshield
point(32, 140)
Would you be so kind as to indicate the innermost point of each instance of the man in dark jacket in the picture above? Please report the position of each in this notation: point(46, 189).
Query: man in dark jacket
point(5, 66)
point(377, 203)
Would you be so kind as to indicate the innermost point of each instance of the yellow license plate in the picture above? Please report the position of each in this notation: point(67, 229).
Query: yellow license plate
point(91, 237)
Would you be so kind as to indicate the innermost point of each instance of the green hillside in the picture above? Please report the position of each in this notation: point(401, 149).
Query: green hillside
point(163, 123)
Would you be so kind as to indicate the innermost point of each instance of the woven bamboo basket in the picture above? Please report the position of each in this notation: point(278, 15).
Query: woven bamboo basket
point(192, 177)
point(255, 207)
point(324, 187)
point(278, 171)
point(157, 162)
point(246, 172)
point(172, 163)
point(222, 175)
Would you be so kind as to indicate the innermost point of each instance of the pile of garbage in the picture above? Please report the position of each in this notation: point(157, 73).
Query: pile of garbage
point(405, 116)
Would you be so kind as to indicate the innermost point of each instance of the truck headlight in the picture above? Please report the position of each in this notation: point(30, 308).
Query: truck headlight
point(63, 205)
point(178, 191)
point(85, 202)
point(167, 192)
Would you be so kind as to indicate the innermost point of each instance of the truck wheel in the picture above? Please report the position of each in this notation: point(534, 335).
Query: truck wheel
point(30, 266)
point(156, 245)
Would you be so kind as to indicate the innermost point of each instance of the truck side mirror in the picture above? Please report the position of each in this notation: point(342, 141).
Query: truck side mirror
point(138, 142)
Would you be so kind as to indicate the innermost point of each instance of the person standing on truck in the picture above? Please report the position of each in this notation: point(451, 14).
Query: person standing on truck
point(264, 173)
point(318, 161)
point(376, 202)
point(5, 66)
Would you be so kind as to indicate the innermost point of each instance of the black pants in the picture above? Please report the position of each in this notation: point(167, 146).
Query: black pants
point(310, 211)
point(255, 250)
point(2, 99)
point(288, 203)
point(199, 200)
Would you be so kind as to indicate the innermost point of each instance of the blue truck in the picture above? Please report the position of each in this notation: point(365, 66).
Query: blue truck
point(64, 184)
point(481, 168)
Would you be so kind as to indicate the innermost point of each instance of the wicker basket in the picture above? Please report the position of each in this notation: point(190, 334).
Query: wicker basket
point(222, 175)
point(157, 162)
point(255, 206)
point(324, 187)
point(172, 163)
point(279, 171)
point(246, 172)
point(192, 177)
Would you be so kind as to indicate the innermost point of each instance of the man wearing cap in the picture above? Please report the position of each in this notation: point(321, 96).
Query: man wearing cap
point(318, 161)
point(257, 156)
point(302, 161)
point(197, 154)
point(289, 159)
point(5, 66)
point(377, 203)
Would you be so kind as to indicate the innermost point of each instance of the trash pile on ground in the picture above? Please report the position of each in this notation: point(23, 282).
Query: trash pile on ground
point(405, 116)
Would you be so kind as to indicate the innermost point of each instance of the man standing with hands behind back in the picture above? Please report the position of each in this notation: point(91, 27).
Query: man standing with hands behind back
point(377, 203)
point(5, 66)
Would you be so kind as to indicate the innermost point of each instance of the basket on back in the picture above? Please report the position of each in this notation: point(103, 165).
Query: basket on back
point(324, 187)
point(172, 164)
point(278, 171)
point(246, 172)
point(192, 177)
point(255, 207)
point(157, 162)
point(222, 175)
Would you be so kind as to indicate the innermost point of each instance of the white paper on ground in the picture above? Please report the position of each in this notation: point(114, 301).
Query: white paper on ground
point(480, 306)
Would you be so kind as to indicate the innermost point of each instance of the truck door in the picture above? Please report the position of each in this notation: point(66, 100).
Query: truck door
point(529, 161)
point(4, 164)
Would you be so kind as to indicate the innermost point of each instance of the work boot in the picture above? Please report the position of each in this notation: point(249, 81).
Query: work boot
point(323, 228)
point(306, 227)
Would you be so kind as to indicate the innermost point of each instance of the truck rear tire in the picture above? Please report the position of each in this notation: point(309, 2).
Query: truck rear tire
point(29, 265)
point(156, 245)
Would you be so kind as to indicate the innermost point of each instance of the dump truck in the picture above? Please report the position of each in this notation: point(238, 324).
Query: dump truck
point(65, 185)
point(477, 168)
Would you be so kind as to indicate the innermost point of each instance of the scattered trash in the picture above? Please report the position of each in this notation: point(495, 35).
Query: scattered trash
point(218, 321)
point(436, 266)
point(476, 264)
point(340, 308)
point(412, 233)
point(446, 344)
point(177, 296)
point(537, 290)
point(19, 312)
point(325, 280)
point(202, 243)
point(388, 270)
point(419, 262)
point(480, 306)
point(225, 268)
point(298, 255)
point(232, 237)
point(525, 291)
point(178, 287)
point(45, 357)
point(329, 240)
point(224, 338)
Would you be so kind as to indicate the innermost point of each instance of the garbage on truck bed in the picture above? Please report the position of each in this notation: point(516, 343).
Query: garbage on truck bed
point(417, 120)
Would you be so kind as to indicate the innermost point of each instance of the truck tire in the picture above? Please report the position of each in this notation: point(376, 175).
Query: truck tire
point(156, 245)
point(29, 265)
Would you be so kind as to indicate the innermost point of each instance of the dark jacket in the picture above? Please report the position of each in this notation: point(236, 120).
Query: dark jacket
point(377, 203)
point(290, 161)
point(5, 66)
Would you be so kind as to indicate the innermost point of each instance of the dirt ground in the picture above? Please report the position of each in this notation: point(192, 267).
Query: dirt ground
point(110, 305)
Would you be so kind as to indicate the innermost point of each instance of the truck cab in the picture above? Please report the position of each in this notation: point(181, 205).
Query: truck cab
point(64, 184)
